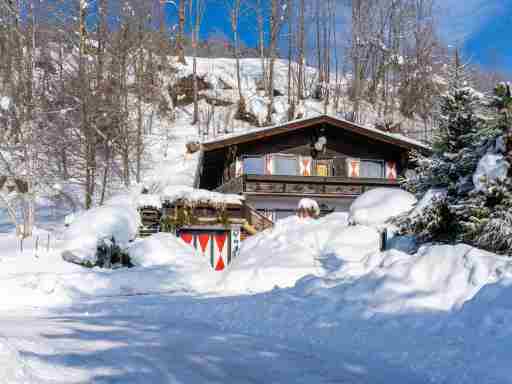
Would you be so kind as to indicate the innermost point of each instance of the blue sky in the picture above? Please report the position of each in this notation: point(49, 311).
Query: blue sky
point(483, 28)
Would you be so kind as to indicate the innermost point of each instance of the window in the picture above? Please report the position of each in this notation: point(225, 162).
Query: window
point(372, 169)
point(287, 166)
point(322, 170)
point(254, 166)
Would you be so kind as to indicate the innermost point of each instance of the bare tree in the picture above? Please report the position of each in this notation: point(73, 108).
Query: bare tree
point(234, 9)
point(180, 38)
point(277, 18)
point(196, 12)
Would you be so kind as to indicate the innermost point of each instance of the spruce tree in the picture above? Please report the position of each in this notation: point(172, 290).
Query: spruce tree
point(471, 128)
point(460, 124)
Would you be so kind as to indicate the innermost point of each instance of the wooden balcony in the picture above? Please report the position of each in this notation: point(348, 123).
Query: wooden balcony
point(275, 185)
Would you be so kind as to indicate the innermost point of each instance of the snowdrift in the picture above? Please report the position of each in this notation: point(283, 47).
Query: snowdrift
point(118, 220)
point(12, 367)
point(378, 205)
point(163, 263)
point(437, 278)
point(295, 248)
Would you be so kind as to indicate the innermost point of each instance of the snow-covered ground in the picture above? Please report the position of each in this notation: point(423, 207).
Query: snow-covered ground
point(309, 301)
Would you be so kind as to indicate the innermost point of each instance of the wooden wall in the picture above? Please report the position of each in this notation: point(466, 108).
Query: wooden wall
point(217, 165)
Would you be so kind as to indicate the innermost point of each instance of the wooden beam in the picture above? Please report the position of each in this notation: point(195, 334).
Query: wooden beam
point(319, 180)
point(319, 120)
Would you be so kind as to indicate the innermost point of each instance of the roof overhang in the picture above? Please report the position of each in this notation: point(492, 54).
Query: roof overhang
point(373, 133)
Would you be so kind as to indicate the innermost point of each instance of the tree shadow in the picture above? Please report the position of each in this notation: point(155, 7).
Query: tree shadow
point(159, 339)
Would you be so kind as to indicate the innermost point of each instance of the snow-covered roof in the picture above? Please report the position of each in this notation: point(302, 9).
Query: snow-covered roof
point(199, 196)
point(388, 137)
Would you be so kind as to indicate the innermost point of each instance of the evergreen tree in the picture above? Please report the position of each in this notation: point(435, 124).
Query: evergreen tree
point(460, 134)
point(474, 208)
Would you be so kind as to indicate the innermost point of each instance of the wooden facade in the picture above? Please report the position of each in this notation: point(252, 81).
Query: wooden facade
point(325, 158)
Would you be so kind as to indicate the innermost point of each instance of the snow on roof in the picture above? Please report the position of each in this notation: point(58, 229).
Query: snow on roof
point(393, 136)
point(199, 196)
point(149, 200)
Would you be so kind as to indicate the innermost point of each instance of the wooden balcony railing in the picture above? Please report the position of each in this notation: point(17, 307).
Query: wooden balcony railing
point(303, 185)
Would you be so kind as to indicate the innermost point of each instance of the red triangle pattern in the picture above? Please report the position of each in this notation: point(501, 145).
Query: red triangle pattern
point(220, 240)
point(187, 238)
point(203, 241)
point(220, 264)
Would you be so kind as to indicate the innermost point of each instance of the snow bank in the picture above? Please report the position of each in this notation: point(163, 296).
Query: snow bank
point(295, 248)
point(119, 219)
point(379, 205)
point(188, 269)
point(192, 195)
point(491, 309)
point(161, 249)
point(491, 168)
point(440, 278)
point(12, 367)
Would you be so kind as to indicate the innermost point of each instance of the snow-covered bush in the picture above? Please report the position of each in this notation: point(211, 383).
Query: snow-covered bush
point(379, 205)
point(118, 220)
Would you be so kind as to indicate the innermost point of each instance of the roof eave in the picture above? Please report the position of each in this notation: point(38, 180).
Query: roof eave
point(299, 124)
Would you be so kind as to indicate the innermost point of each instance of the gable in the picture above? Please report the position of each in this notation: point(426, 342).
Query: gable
point(260, 136)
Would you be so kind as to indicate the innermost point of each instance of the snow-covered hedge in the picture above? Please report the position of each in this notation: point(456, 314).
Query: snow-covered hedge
point(378, 205)
point(118, 220)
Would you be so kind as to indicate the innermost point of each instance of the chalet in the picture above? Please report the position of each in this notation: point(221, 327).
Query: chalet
point(325, 158)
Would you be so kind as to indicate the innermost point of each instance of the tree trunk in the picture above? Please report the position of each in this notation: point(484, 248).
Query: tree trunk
point(300, 85)
point(180, 39)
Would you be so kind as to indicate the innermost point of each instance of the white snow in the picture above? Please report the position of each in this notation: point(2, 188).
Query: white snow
point(5, 103)
point(295, 248)
point(491, 168)
point(378, 205)
point(427, 199)
point(118, 219)
point(12, 367)
point(439, 278)
point(309, 205)
point(149, 200)
point(192, 195)
point(350, 313)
